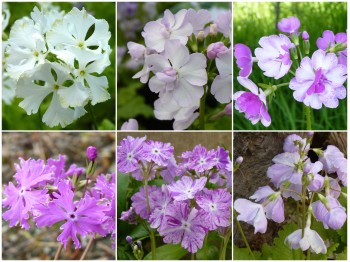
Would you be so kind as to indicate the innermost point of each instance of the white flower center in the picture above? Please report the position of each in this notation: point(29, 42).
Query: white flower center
point(130, 156)
point(72, 216)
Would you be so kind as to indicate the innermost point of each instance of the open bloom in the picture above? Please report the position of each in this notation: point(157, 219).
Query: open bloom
point(252, 104)
point(252, 213)
point(184, 225)
point(289, 25)
point(186, 188)
point(180, 72)
point(129, 153)
point(319, 80)
point(273, 55)
point(310, 240)
point(244, 59)
point(328, 40)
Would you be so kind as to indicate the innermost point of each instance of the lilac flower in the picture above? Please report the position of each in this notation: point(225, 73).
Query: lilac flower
point(129, 216)
point(310, 240)
point(139, 202)
point(170, 171)
point(22, 199)
point(222, 158)
point(289, 25)
point(203, 159)
point(291, 143)
point(274, 205)
point(216, 205)
point(224, 23)
point(91, 153)
point(222, 85)
point(319, 80)
point(156, 33)
point(180, 72)
point(129, 153)
point(198, 19)
point(244, 59)
point(252, 104)
point(136, 51)
point(157, 217)
point(331, 159)
point(82, 217)
point(60, 173)
point(335, 188)
point(131, 124)
point(184, 225)
point(305, 36)
point(214, 49)
point(251, 213)
point(332, 214)
point(273, 56)
point(186, 188)
point(157, 152)
point(315, 179)
point(329, 40)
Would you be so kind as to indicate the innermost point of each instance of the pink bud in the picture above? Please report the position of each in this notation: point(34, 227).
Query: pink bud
point(91, 153)
point(214, 49)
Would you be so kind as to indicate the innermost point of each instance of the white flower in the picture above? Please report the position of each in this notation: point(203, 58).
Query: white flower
point(310, 240)
point(178, 71)
point(5, 16)
point(35, 85)
point(222, 84)
point(73, 31)
point(171, 26)
point(45, 18)
point(198, 19)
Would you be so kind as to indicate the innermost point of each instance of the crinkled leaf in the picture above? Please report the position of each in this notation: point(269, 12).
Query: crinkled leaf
point(168, 252)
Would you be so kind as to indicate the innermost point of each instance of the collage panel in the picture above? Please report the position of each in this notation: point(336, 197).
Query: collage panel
point(174, 65)
point(58, 195)
point(290, 69)
point(58, 66)
point(174, 196)
point(290, 196)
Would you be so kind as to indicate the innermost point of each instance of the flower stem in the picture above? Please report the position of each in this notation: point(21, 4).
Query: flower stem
point(58, 252)
point(308, 117)
point(280, 85)
point(93, 118)
point(224, 246)
point(202, 111)
point(243, 235)
point(153, 239)
point(87, 248)
point(192, 256)
point(205, 247)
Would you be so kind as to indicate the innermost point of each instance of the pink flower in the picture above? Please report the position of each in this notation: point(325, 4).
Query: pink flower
point(328, 40)
point(319, 80)
point(244, 59)
point(83, 217)
point(273, 55)
point(157, 152)
point(186, 188)
point(214, 49)
point(289, 25)
point(252, 104)
point(184, 225)
point(252, 213)
point(91, 153)
point(129, 153)
point(224, 23)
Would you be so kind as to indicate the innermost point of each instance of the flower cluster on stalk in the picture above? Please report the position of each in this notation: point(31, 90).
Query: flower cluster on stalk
point(316, 186)
point(195, 195)
point(318, 78)
point(57, 57)
point(48, 194)
point(176, 59)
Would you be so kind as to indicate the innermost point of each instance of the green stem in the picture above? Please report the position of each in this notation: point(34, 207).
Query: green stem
point(192, 256)
point(300, 54)
point(280, 85)
point(94, 122)
point(224, 246)
point(153, 239)
point(243, 235)
point(205, 247)
point(202, 111)
point(308, 117)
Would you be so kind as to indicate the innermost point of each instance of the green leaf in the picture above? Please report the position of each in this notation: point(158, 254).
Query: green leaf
point(212, 253)
point(139, 232)
point(240, 253)
point(168, 252)
point(342, 256)
point(264, 86)
point(122, 188)
point(106, 125)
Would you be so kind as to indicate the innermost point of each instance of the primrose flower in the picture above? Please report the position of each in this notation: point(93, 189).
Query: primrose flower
point(319, 80)
point(129, 153)
point(215, 49)
point(329, 40)
point(252, 104)
point(131, 124)
point(157, 152)
point(244, 59)
point(186, 188)
point(289, 25)
point(274, 56)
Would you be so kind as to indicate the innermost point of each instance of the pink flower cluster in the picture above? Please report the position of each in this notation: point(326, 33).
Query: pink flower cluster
point(46, 193)
point(291, 173)
point(195, 198)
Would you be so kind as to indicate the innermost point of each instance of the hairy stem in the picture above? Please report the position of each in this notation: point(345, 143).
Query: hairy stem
point(224, 246)
point(87, 248)
point(93, 118)
point(243, 235)
point(202, 111)
point(58, 252)
point(308, 117)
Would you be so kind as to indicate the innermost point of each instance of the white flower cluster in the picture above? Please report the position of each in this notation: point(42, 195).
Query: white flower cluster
point(58, 58)
point(176, 72)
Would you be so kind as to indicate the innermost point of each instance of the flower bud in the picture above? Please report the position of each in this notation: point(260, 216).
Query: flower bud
point(214, 49)
point(305, 36)
point(239, 160)
point(91, 153)
point(136, 51)
point(129, 239)
point(228, 109)
point(131, 124)
point(293, 52)
point(213, 29)
point(139, 243)
point(338, 47)
point(201, 36)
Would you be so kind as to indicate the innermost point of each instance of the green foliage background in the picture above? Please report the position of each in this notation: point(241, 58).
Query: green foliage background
point(254, 20)
point(15, 118)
